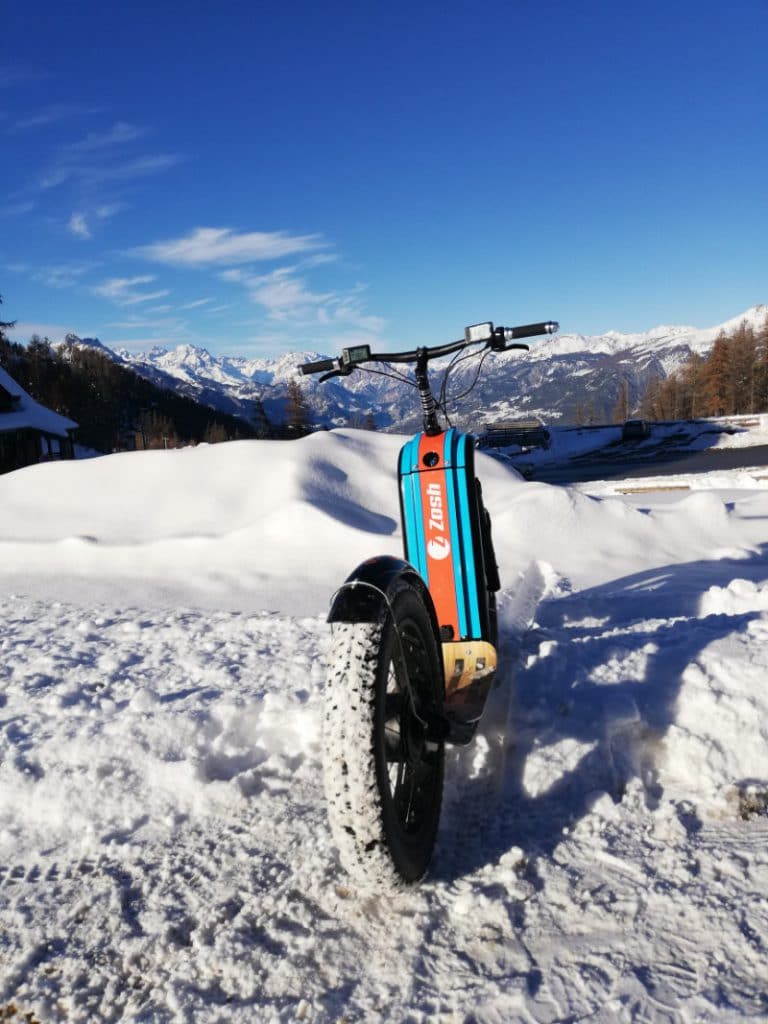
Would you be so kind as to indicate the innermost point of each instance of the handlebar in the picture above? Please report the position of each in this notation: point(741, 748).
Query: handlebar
point(496, 338)
point(530, 330)
point(321, 366)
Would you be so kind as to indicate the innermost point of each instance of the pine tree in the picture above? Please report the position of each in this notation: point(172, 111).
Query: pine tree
point(743, 353)
point(298, 410)
point(214, 434)
point(621, 408)
point(263, 426)
point(690, 377)
point(4, 326)
point(717, 374)
point(761, 368)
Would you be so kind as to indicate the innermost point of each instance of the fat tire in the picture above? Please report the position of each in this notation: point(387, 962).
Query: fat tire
point(381, 846)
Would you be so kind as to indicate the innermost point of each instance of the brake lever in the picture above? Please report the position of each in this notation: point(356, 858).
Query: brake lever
point(344, 371)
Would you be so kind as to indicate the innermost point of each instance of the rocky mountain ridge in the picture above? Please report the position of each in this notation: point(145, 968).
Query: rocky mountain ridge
point(561, 377)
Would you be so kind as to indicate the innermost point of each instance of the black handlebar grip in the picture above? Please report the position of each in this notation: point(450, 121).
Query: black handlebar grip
point(321, 366)
point(531, 330)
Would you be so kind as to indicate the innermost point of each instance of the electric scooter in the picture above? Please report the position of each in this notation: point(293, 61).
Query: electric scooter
point(414, 640)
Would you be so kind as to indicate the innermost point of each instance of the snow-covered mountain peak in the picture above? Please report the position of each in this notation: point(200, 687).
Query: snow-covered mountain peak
point(557, 374)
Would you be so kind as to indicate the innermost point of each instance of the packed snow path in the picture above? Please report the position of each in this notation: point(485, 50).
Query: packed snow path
point(603, 853)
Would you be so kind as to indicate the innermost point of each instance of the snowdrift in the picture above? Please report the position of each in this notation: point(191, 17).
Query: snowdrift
point(163, 847)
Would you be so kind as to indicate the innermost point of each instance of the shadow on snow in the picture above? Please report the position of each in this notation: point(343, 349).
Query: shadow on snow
point(603, 669)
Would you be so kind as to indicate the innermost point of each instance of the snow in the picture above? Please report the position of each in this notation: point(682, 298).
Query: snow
point(657, 340)
point(529, 386)
point(30, 413)
point(164, 848)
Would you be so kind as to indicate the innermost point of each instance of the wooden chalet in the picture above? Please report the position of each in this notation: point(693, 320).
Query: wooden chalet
point(29, 432)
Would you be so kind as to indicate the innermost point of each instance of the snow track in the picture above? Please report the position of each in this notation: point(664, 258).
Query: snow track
point(161, 775)
point(165, 853)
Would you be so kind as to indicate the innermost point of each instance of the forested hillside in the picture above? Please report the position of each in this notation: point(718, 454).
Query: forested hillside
point(115, 407)
point(731, 380)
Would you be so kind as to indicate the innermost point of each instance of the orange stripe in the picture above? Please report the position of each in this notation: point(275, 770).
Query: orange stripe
point(437, 531)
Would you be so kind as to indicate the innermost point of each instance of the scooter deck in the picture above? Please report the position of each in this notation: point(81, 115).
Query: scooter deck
point(441, 529)
point(443, 542)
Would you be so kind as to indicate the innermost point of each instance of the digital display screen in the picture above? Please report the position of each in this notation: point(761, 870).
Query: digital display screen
point(478, 332)
point(356, 354)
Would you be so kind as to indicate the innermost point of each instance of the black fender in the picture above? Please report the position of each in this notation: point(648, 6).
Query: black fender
point(368, 592)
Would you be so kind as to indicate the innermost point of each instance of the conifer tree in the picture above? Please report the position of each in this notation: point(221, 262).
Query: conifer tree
point(716, 378)
point(263, 427)
point(621, 408)
point(298, 410)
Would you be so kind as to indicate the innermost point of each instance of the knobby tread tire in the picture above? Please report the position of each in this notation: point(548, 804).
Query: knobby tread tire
point(372, 851)
point(349, 764)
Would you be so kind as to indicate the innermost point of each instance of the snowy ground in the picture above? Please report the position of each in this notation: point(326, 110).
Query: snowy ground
point(666, 438)
point(164, 855)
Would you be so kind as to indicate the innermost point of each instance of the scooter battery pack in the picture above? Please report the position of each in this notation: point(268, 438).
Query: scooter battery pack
point(441, 529)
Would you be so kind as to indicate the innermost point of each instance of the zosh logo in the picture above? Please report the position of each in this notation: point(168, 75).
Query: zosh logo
point(438, 547)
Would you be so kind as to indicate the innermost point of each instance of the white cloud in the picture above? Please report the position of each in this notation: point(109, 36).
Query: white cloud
point(78, 226)
point(286, 297)
point(124, 291)
point(91, 174)
point(283, 295)
point(11, 76)
point(52, 114)
point(17, 209)
point(196, 304)
point(63, 275)
point(225, 247)
point(23, 331)
point(141, 344)
point(80, 223)
point(107, 210)
point(120, 133)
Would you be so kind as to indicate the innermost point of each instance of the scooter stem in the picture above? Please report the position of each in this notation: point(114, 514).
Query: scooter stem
point(427, 399)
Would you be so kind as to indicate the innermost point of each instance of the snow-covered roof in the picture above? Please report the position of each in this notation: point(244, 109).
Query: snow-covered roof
point(29, 413)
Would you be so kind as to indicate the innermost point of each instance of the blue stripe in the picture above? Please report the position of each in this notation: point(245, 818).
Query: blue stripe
point(466, 533)
point(413, 524)
point(449, 460)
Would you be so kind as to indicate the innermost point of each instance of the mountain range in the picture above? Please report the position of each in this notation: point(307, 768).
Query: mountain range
point(560, 374)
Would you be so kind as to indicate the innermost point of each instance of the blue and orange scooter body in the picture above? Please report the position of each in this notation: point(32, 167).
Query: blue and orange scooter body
point(449, 560)
point(449, 545)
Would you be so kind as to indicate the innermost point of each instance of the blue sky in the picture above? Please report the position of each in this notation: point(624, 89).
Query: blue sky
point(266, 177)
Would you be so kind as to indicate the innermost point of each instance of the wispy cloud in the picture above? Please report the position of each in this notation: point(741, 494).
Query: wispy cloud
point(90, 174)
point(54, 113)
point(139, 345)
point(11, 76)
point(196, 304)
point(17, 209)
point(126, 291)
point(24, 329)
point(226, 247)
point(107, 210)
point(61, 275)
point(78, 226)
point(280, 292)
point(118, 135)
point(285, 296)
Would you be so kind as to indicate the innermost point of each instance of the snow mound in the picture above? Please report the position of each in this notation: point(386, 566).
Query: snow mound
point(164, 846)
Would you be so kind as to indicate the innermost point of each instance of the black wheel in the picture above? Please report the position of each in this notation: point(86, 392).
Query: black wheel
point(383, 771)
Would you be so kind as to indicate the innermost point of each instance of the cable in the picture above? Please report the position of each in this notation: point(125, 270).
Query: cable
point(458, 398)
point(392, 374)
